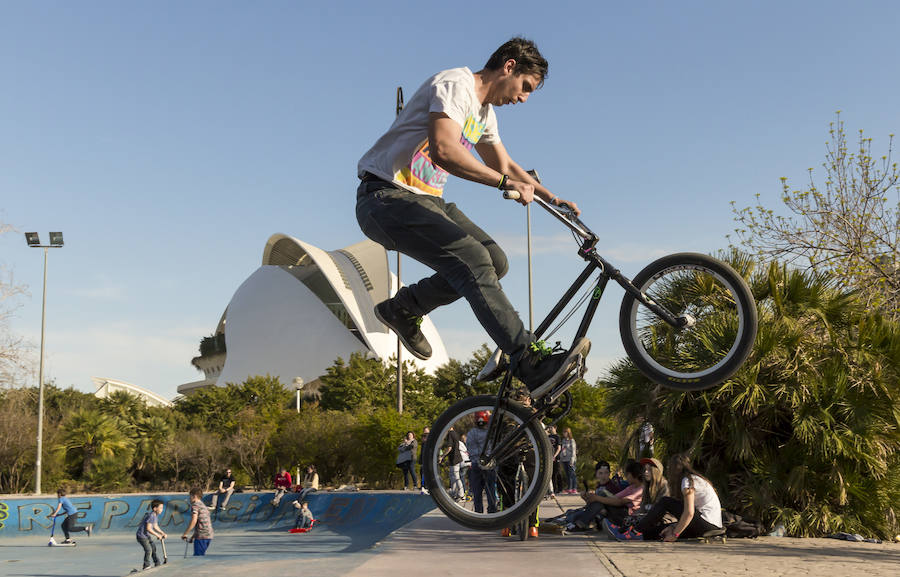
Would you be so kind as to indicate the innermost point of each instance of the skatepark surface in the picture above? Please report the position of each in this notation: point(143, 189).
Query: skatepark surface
point(381, 534)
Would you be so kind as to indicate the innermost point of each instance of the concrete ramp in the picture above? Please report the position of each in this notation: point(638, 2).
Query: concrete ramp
point(250, 528)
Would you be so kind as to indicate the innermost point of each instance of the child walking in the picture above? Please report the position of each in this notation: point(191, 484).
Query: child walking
point(200, 523)
point(148, 529)
point(68, 526)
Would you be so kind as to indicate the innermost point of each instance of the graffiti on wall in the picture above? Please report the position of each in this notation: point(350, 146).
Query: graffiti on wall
point(245, 511)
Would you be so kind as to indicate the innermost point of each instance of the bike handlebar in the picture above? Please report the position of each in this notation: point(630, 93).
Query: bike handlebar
point(563, 213)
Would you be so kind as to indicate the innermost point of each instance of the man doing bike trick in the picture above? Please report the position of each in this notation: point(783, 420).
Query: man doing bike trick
point(400, 205)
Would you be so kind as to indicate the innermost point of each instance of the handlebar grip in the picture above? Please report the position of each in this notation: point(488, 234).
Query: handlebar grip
point(511, 194)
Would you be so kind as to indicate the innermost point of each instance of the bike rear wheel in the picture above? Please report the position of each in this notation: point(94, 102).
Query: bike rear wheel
point(532, 450)
point(704, 353)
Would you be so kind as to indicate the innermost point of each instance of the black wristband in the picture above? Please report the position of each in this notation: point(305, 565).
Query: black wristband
point(503, 180)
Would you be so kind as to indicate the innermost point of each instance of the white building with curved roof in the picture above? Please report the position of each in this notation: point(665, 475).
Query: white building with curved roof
point(301, 310)
point(106, 387)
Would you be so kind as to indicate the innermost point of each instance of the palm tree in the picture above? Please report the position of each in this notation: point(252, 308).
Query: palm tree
point(90, 434)
point(124, 406)
point(152, 437)
point(807, 433)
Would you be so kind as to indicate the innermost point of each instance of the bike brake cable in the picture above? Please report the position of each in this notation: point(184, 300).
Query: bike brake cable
point(571, 312)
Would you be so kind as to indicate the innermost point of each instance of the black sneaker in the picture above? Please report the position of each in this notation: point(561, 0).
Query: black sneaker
point(542, 369)
point(407, 328)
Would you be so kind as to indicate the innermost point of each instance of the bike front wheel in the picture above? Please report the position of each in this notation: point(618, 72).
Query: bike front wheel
point(716, 340)
point(492, 502)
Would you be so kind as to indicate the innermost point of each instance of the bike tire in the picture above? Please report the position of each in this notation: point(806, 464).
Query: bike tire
point(535, 445)
point(710, 351)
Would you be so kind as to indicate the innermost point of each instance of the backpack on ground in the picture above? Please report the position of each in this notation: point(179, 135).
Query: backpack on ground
point(736, 527)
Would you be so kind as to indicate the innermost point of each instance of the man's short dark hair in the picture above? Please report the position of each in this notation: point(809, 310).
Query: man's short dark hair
point(525, 53)
point(635, 468)
point(601, 464)
point(196, 492)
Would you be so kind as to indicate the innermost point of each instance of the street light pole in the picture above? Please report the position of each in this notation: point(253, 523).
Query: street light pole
point(534, 174)
point(56, 241)
point(399, 109)
point(298, 386)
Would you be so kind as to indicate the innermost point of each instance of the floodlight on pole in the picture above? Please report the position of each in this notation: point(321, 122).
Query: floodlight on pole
point(56, 241)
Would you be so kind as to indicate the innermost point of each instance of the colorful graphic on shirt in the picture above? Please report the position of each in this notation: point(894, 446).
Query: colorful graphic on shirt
point(423, 174)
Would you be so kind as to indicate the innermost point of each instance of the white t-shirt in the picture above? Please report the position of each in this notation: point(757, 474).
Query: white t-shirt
point(706, 502)
point(401, 155)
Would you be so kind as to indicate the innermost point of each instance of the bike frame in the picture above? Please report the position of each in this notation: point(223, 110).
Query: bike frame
point(501, 448)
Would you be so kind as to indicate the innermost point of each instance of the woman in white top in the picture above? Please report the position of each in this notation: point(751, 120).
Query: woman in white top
point(698, 510)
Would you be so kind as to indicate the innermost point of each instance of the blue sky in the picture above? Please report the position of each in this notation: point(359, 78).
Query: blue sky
point(168, 140)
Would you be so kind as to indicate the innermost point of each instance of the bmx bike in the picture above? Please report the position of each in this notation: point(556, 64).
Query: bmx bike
point(687, 321)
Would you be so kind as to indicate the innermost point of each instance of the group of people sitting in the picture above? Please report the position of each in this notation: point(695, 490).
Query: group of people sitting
point(283, 484)
point(652, 504)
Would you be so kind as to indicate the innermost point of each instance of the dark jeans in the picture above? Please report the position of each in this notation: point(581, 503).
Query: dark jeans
point(591, 511)
point(485, 482)
point(69, 526)
point(467, 261)
point(651, 526)
point(559, 484)
point(408, 471)
point(149, 550)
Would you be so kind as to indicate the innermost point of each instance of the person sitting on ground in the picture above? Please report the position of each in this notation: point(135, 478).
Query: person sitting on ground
point(615, 508)
point(310, 482)
point(226, 487)
point(655, 485)
point(698, 511)
point(655, 488)
point(605, 487)
point(304, 515)
point(283, 484)
point(602, 473)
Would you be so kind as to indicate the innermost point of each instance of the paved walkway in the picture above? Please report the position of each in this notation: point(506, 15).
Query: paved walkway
point(444, 549)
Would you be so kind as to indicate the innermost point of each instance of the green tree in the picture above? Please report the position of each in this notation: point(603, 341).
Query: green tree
point(18, 429)
point(89, 435)
point(851, 228)
point(153, 437)
point(124, 406)
point(597, 436)
point(250, 444)
point(319, 437)
point(217, 408)
point(807, 433)
point(376, 437)
point(455, 380)
point(361, 382)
